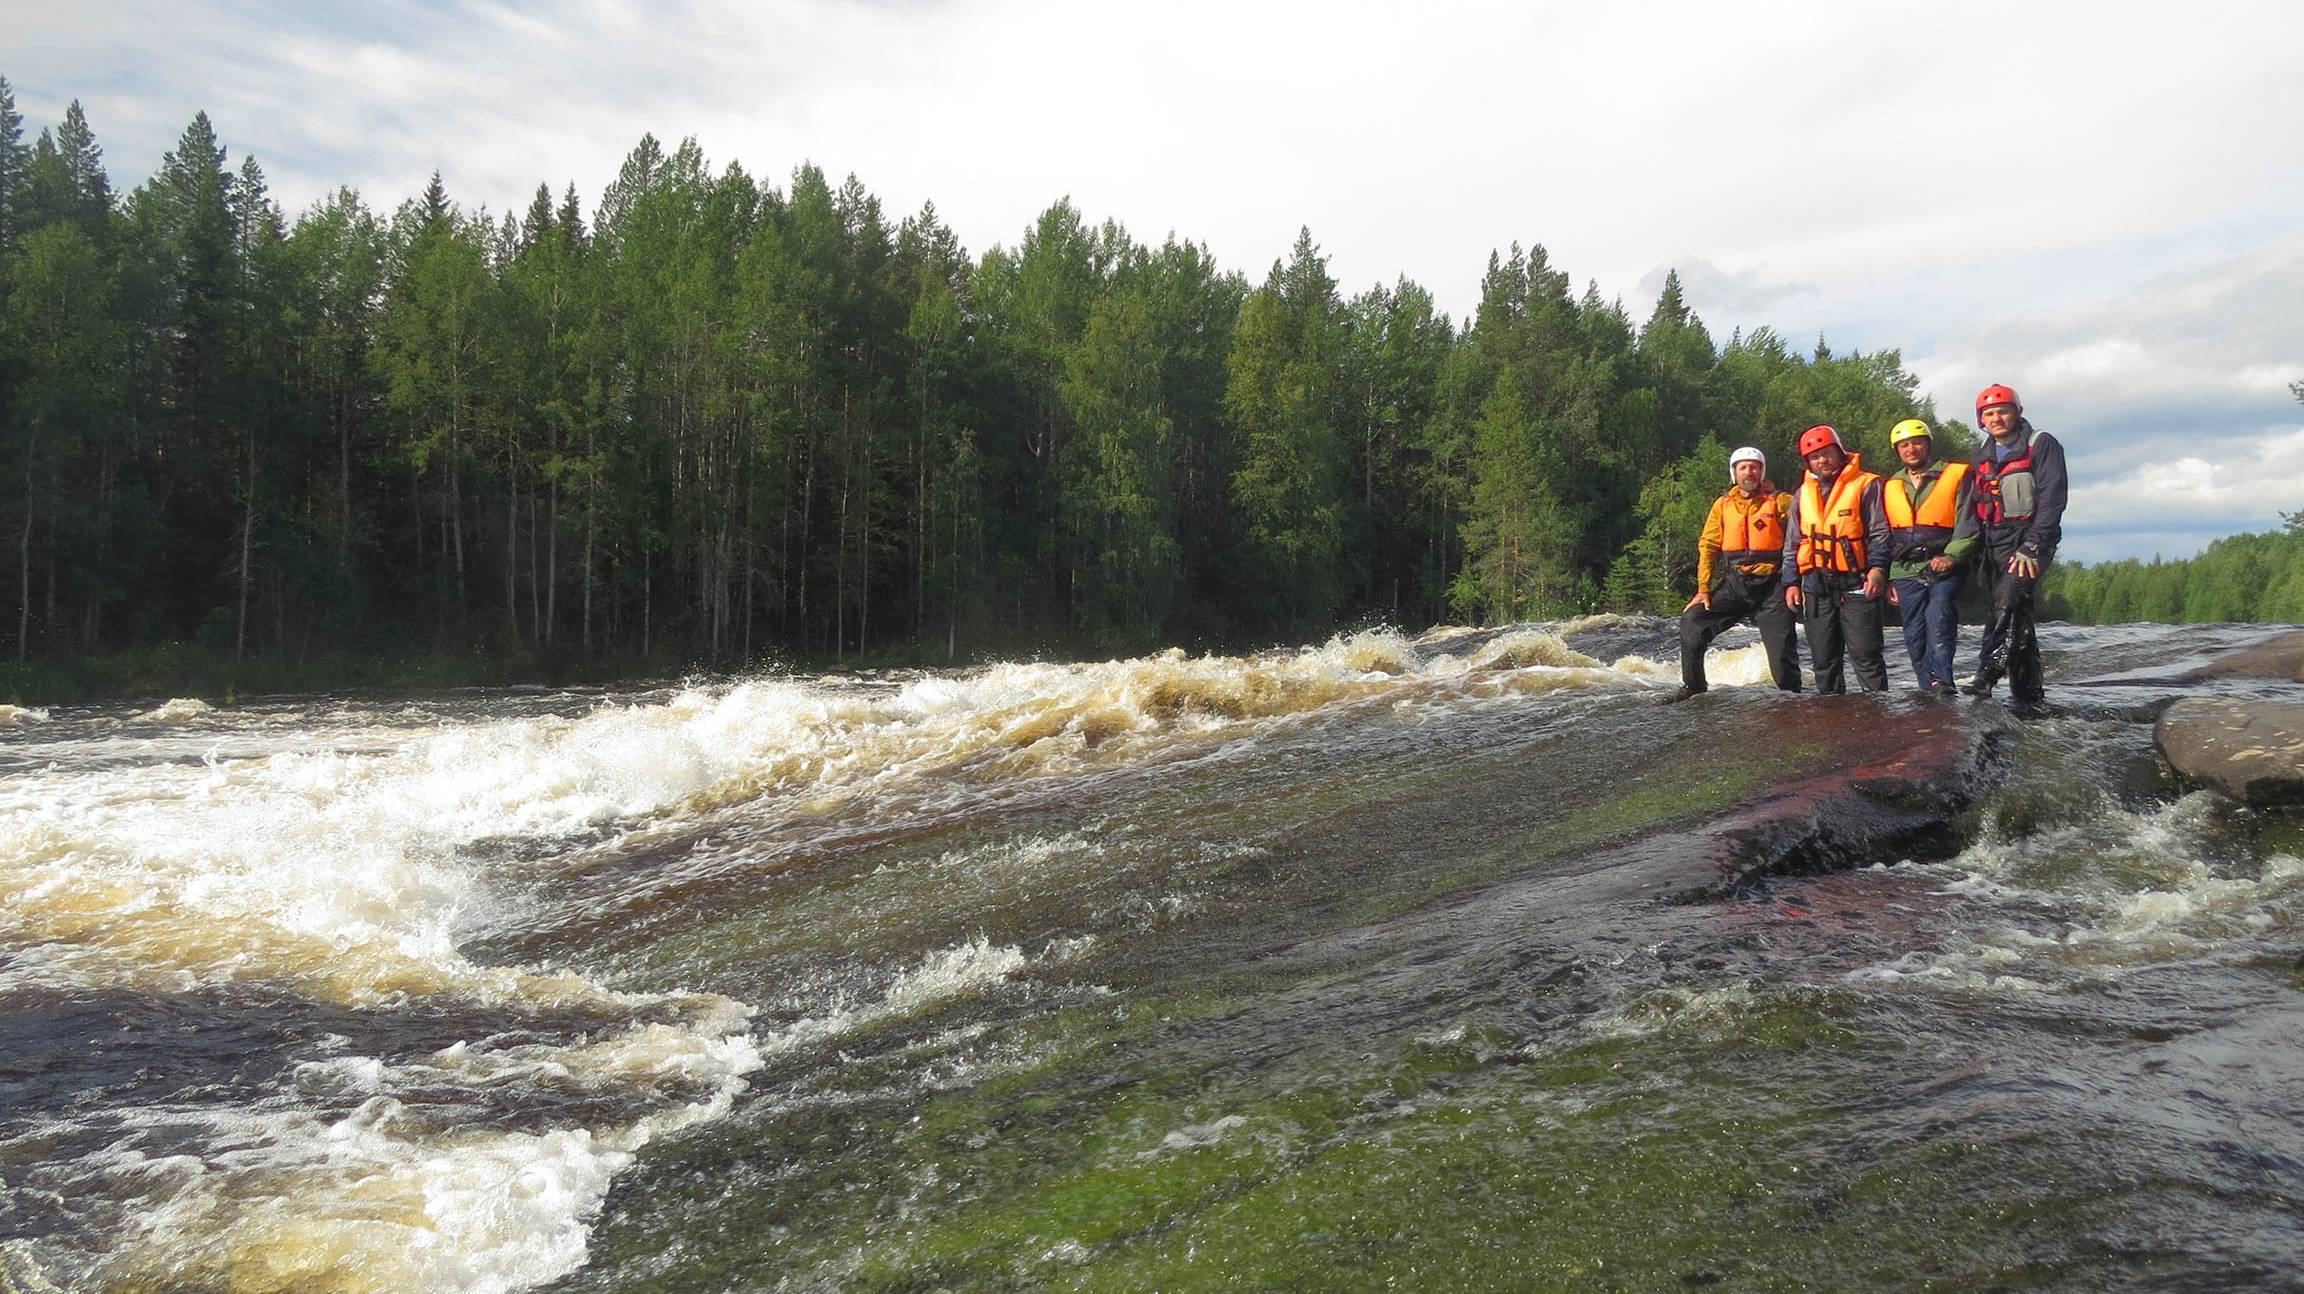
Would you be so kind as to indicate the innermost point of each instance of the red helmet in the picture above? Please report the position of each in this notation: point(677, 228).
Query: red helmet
point(1818, 437)
point(1997, 394)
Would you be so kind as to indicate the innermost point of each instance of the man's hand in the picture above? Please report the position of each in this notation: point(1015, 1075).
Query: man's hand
point(2024, 566)
point(1895, 599)
point(1875, 582)
point(1792, 596)
point(1703, 600)
point(1940, 563)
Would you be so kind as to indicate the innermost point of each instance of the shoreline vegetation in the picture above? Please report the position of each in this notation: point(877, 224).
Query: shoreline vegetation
point(715, 420)
point(171, 670)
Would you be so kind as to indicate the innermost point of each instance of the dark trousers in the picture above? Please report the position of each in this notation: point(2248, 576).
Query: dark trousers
point(1740, 597)
point(1931, 625)
point(1839, 620)
point(2010, 647)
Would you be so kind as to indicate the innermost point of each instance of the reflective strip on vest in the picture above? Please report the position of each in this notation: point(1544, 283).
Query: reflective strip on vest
point(1837, 544)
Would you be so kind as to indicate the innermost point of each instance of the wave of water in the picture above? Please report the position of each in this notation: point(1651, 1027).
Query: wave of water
point(2088, 903)
point(320, 855)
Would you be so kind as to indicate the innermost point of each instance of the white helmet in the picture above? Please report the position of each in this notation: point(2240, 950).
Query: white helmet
point(1747, 453)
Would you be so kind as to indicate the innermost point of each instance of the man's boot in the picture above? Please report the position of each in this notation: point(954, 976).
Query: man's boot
point(2025, 681)
point(1992, 667)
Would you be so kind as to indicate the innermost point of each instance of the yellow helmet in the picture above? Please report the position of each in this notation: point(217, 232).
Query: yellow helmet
point(1906, 430)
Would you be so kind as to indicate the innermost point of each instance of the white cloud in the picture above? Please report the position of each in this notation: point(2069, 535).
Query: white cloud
point(2169, 393)
point(1717, 293)
point(2174, 506)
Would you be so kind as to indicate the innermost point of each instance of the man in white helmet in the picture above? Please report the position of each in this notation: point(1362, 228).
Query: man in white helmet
point(1736, 563)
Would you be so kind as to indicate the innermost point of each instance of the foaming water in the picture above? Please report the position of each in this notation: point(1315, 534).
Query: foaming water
point(2147, 907)
point(333, 856)
point(952, 972)
point(180, 710)
point(348, 995)
point(814, 750)
point(1739, 666)
point(395, 1195)
point(2072, 883)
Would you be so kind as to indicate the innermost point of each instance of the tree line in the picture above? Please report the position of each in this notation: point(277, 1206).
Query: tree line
point(714, 421)
point(2239, 579)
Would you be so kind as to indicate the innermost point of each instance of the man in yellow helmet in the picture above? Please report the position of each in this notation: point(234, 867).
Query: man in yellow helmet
point(1932, 528)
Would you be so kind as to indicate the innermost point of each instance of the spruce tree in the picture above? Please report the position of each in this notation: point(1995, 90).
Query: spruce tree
point(13, 160)
point(1117, 505)
point(65, 347)
point(1290, 489)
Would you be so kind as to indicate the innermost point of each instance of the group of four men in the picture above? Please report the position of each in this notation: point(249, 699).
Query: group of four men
point(1849, 540)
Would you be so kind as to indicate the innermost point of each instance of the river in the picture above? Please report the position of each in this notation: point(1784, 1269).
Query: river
point(1373, 964)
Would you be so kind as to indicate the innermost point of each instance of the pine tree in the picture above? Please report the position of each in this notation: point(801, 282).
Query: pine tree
point(1118, 508)
point(1290, 489)
point(65, 348)
point(13, 160)
point(1519, 539)
point(337, 253)
point(1676, 357)
point(1395, 349)
point(189, 282)
point(948, 579)
point(430, 351)
point(1031, 306)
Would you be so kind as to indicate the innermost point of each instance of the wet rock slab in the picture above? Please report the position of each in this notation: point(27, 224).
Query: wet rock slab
point(2251, 750)
point(2277, 658)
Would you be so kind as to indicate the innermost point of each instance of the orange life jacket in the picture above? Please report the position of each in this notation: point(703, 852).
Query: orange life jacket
point(1752, 533)
point(1922, 532)
point(1832, 529)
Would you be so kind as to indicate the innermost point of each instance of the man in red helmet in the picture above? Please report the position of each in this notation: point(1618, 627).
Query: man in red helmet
point(2019, 500)
point(1836, 563)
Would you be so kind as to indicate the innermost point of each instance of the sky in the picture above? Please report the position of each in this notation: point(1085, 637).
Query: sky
point(2101, 204)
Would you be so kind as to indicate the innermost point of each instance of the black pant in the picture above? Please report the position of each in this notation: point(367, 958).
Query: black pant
point(1740, 597)
point(2010, 647)
point(1839, 620)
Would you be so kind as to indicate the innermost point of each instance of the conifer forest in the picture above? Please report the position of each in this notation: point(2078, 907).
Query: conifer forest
point(712, 420)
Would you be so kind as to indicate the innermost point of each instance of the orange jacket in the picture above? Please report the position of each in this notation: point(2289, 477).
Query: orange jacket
point(1745, 532)
point(1834, 532)
point(1939, 511)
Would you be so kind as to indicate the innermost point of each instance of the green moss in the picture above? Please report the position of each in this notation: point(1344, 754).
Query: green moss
point(1418, 1180)
point(1723, 1143)
point(1683, 784)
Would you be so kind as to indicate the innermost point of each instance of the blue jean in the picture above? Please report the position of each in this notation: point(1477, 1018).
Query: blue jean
point(1931, 626)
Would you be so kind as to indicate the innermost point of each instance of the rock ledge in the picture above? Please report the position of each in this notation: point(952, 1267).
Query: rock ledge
point(2252, 751)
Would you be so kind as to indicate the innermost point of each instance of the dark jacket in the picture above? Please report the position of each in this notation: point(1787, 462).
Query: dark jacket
point(2037, 533)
